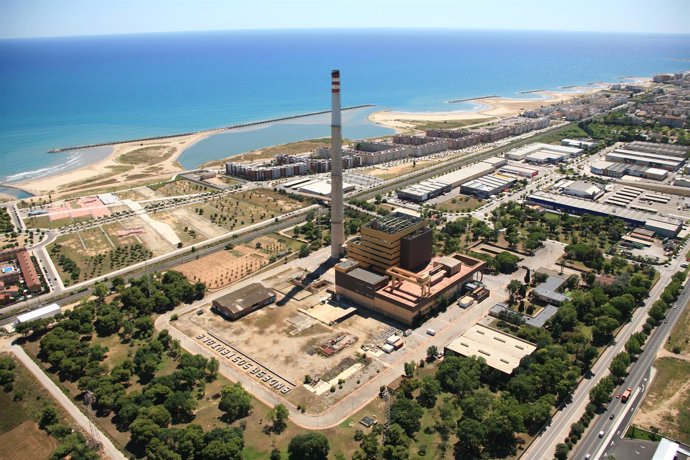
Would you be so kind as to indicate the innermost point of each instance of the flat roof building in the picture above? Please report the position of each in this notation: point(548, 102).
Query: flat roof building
point(651, 160)
point(407, 296)
point(29, 273)
point(243, 301)
point(662, 226)
point(489, 185)
point(543, 153)
point(581, 189)
point(548, 290)
point(47, 311)
point(501, 351)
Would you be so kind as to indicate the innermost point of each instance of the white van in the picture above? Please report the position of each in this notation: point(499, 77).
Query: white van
point(431, 331)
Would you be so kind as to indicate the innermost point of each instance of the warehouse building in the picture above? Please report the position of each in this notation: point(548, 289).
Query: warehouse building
point(618, 170)
point(320, 187)
point(587, 144)
point(501, 351)
point(47, 311)
point(243, 301)
point(431, 188)
point(520, 171)
point(425, 190)
point(651, 160)
point(489, 185)
point(661, 149)
point(664, 227)
point(580, 189)
point(539, 153)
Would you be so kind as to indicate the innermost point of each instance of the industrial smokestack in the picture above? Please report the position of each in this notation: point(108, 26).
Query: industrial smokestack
point(337, 212)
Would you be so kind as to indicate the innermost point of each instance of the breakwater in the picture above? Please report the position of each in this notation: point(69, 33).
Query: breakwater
point(453, 101)
point(533, 91)
point(214, 130)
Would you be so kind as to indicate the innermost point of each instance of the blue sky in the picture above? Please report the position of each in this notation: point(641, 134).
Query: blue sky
point(41, 18)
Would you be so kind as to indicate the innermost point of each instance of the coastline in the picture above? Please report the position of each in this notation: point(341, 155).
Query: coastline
point(486, 109)
point(112, 171)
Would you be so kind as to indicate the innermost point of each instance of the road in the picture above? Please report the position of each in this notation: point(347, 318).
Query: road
point(544, 446)
point(163, 262)
point(637, 378)
point(448, 325)
point(108, 449)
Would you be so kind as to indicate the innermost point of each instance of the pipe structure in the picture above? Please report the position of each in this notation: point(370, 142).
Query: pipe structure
point(337, 207)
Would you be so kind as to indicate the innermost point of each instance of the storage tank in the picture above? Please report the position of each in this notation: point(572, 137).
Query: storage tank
point(388, 348)
point(392, 339)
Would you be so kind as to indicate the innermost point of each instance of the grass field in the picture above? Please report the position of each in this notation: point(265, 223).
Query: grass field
point(94, 253)
point(179, 187)
point(147, 155)
point(667, 405)
point(26, 441)
point(447, 124)
point(461, 203)
point(679, 340)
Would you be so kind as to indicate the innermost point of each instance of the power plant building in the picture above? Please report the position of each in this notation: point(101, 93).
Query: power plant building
point(390, 269)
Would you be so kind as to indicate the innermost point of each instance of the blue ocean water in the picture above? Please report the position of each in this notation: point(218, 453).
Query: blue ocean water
point(66, 91)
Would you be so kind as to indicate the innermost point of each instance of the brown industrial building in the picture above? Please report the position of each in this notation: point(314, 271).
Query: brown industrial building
point(391, 270)
point(243, 301)
point(396, 239)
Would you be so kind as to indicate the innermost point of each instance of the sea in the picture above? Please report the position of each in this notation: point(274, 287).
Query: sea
point(58, 92)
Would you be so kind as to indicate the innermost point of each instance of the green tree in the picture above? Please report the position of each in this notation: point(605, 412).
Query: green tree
point(309, 446)
point(471, 438)
point(601, 393)
point(505, 262)
point(459, 375)
point(49, 416)
point(235, 402)
point(407, 413)
point(428, 391)
point(619, 365)
point(279, 417)
point(275, 454)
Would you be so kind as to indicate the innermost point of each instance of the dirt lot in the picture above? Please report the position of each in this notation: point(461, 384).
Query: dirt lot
point(292, 344)
point(390, 172)
point(27, 441)
point(667, 405)
point(189, 226)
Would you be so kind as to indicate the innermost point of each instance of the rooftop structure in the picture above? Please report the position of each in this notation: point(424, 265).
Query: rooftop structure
point(521, 171)
point(320, 187)
point(501, 351)
point(430, 188)
point(243, 301)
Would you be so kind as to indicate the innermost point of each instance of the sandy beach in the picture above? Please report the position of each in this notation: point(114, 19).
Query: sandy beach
point(127, 162)
point(488, 109)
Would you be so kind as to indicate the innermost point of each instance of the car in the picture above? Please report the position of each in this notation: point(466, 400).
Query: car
point(665, 321)
point(601, 434)
point(612, 416)
point(618, 396)
point(431, 331)
point(588, 456)
point(407, 332)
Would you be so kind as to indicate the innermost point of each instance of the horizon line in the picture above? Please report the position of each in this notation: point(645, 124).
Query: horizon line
point(354, 28)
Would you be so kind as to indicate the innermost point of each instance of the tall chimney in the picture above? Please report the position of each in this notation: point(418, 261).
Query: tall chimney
point(337, 213)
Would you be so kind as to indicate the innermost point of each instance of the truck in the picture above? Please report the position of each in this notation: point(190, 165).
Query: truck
point(626, 395)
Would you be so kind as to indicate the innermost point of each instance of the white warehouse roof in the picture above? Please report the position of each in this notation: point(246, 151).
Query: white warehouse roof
point(43, 312)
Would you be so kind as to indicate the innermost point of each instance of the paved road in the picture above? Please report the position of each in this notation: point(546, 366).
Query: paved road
point(544, 445)
point(162, 262)
point(108, 449)
point(639, 377)
point(448, 325)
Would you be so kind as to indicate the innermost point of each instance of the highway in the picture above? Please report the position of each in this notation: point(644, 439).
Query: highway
point(544, 445)
point(638, 378)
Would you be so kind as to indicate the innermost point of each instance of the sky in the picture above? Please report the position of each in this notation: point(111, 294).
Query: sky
point(48, 18)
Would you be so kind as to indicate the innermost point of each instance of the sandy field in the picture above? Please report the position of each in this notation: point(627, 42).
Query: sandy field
point(26, 441)
point(490, 108)
point(121, 166)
